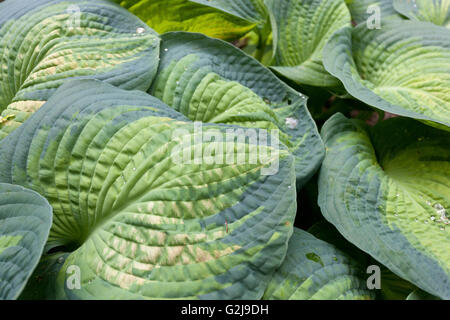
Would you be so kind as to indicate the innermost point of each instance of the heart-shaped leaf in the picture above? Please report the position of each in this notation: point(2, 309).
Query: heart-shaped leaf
point(403, 68)
point(316, 270)
point(392, 286)
point(250, 10)
point(25, 220)
point(146, 218)
point(44, 43)
point(301, 28)
point(211, 81)
point(435, 11)
point(387, 191)
point(193, 16)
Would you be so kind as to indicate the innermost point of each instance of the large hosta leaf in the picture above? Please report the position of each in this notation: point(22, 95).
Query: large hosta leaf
point(421, 295)
point(192, 16)
point(435, 11)
point(211, 81)
point(316, 270)
point(301, 29)
point(362, 10)
point(402, 68)
point(387, 190)
point(25, 220)
point(143, 224)
point(43, 43)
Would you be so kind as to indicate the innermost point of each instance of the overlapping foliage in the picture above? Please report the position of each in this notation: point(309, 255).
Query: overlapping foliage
point(140, 223)
point(25, 220)
point(385, 189)
point(44, 43)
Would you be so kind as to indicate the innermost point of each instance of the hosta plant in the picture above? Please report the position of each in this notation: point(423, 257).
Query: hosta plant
point(211, 81)
point(386, 190)
point(25, 220)
point(316, 270)
point(401, 68)
point(435, 11)
point(44, 43)
point(156, 149)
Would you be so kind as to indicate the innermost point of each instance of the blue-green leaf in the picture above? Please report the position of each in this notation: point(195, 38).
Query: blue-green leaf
point(44, 43)
point(421, 295)
point(434, 11)
point(387, 191)
point(139, 223)
point(402, 68)
point(211, 81)
point(213, 18)
point(316, 270)
point(25, 220)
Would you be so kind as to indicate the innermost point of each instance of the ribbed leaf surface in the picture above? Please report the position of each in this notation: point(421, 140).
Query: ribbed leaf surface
point(316, 270)
point(301, 29)
point(434, 11)
point(194, 16)
point(211, 81)
point(387, 191)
